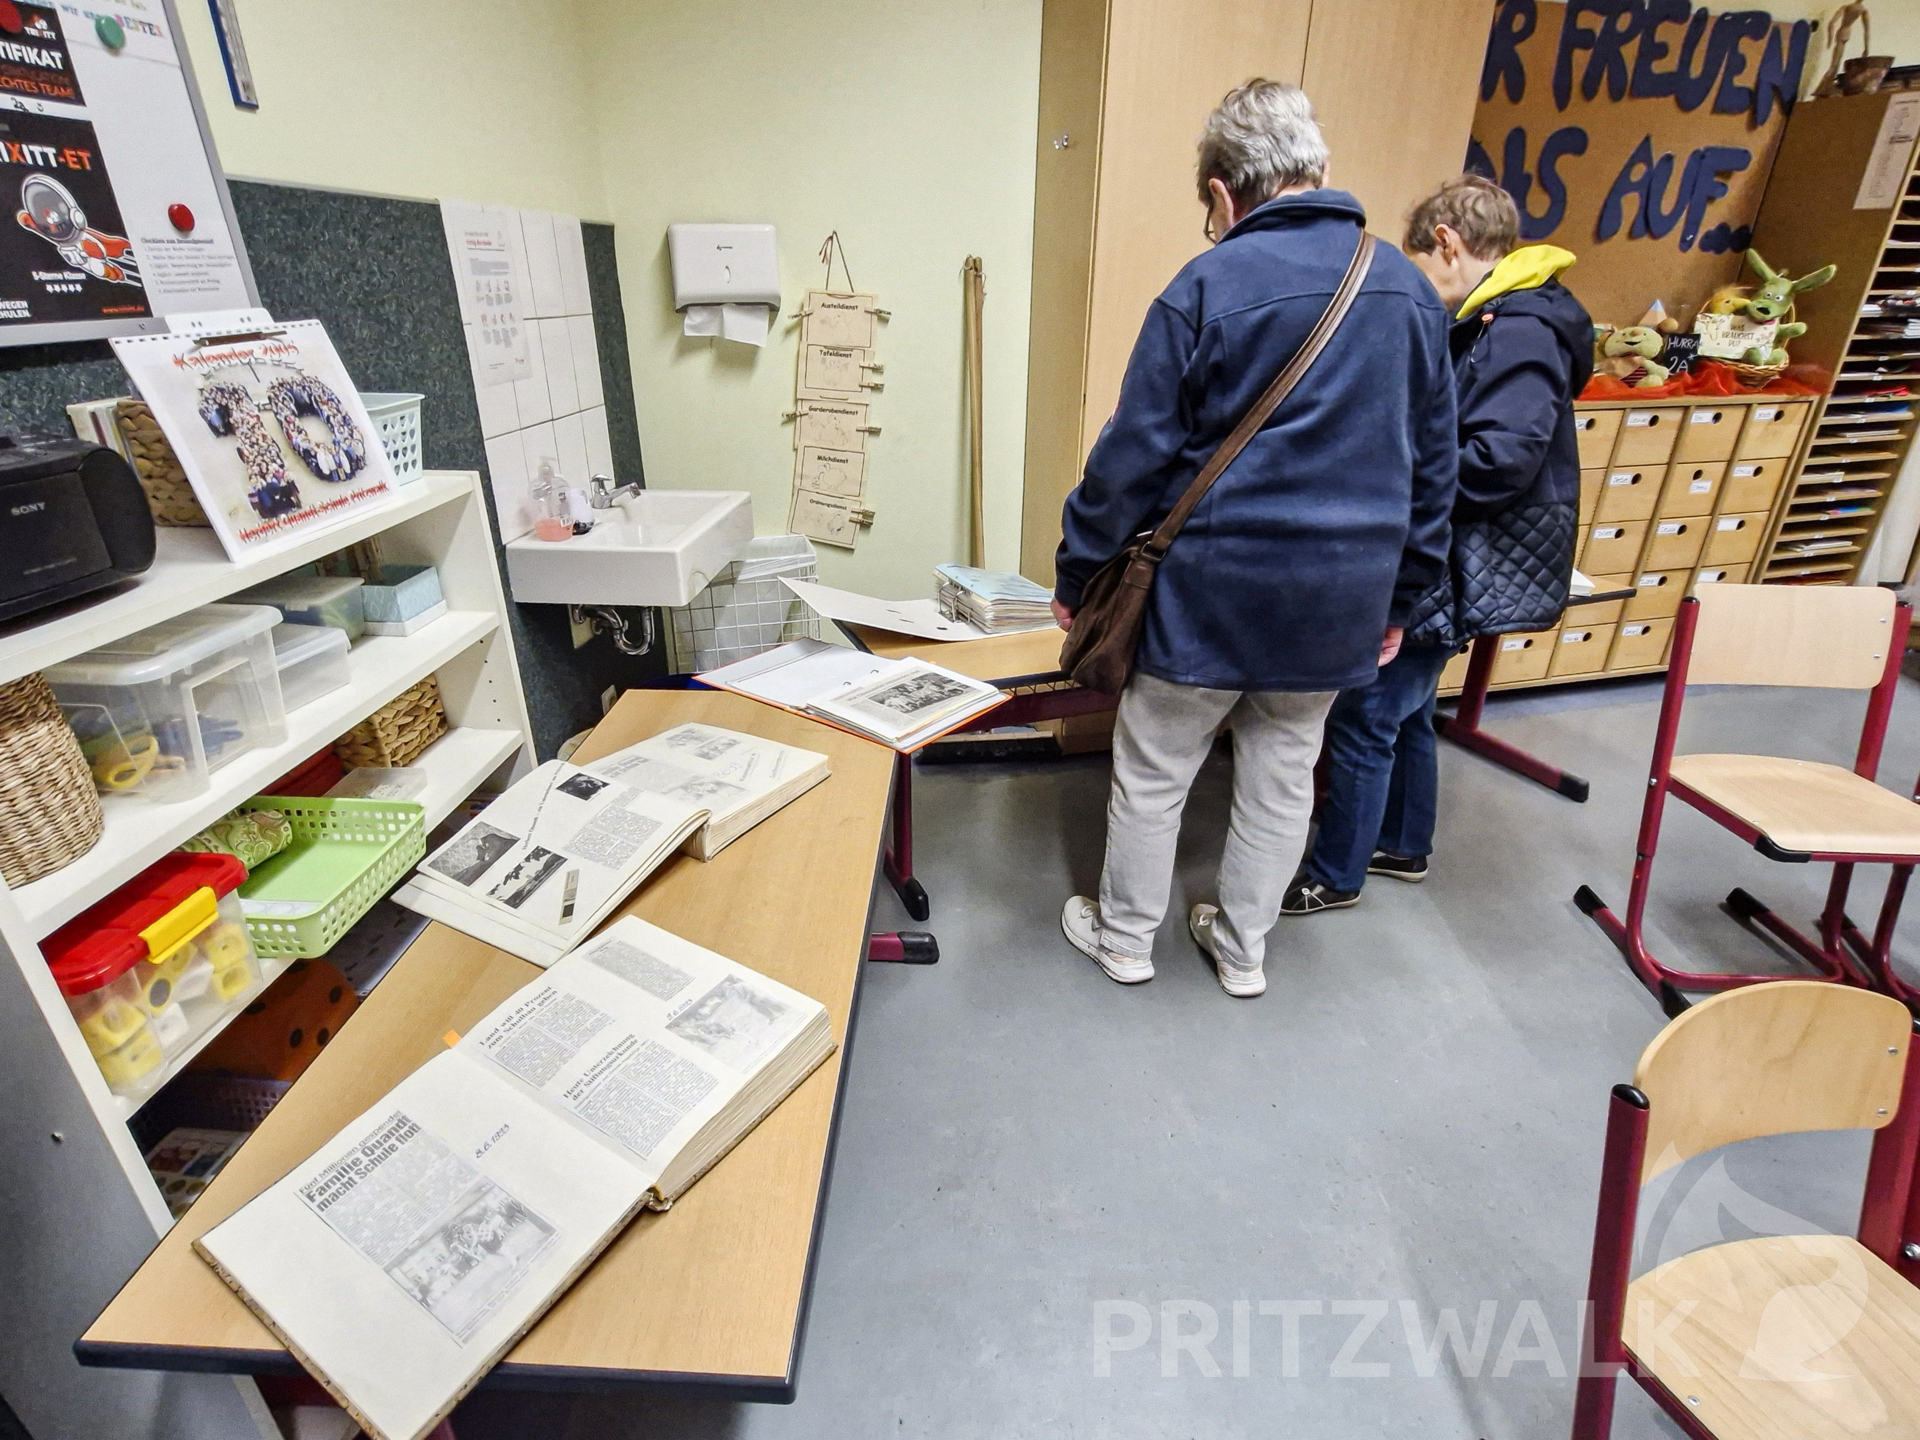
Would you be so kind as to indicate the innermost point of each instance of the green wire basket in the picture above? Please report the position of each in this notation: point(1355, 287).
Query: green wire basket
point(344, 856)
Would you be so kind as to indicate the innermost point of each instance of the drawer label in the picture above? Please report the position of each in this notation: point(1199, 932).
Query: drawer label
point(1624, 477)
point(1518, 642)
point(1635, 629)
point(1651, 582)
point(1574, 637)
point(1745, 472)
point(1704, 417)
point(1711, 577)
point(1732, 522)
point(1642, 418)
point(1767, 414)
point(1699, 487)
point(1608, 532)
point(1670, 527)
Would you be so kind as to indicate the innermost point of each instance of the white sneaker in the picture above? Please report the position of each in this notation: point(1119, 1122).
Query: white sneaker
point(1080, 923)
point(1234, 979)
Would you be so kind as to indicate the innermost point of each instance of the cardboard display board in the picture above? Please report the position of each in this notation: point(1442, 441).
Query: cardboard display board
point(1639, 135)
point(113, 211)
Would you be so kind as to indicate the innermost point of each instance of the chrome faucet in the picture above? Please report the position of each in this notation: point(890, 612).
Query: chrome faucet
point(603, 494)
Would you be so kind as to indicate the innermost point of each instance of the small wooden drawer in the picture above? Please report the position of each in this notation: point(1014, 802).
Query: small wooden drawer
point(1720, 575)
point(1454, 674)
point(1709, 432)
point(1647, 436)
point(1591, 484)
point(1772, 431)
point(1676, 543)
point(1751, 485)
point(1691, 489)
point(1640, 642)
point(1735, 539)
point(1523, 657)
point(1581, 649)
point(1607, 611)
point(1628, 494)
point(1597, 430)
point(1656, 595)
point(1612, 548)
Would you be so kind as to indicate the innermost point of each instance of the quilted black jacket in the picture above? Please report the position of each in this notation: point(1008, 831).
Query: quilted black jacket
point(1518, 361)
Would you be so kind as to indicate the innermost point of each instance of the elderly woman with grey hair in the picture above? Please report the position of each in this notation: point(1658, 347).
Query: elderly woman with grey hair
point(1294, 576)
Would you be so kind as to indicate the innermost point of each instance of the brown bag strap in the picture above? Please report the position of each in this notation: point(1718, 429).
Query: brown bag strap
point(1282, 386)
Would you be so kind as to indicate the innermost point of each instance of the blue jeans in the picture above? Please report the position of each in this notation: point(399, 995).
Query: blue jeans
point(1383, 770)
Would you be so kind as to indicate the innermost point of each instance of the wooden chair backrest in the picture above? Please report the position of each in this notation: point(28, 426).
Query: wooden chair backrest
point(1772, 1059)
point(1828, 636)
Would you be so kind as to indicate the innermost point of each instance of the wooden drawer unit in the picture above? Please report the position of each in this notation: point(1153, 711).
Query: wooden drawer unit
point(1607, 611)
point(1691, 488)
point(1751, 485)
point(1591, 483)
point(1647, 436)
point(1720, 575)
point(1613, 548)
point(1735, 539)
point(1454, 673)
point(1772, 431)
point(1628, 493)
point(1676, 544)
point(1640, 642)
point(1580, 648)
point(1523, 657)
point(1597, 430)
point(1709, 432)
point(1656, 595)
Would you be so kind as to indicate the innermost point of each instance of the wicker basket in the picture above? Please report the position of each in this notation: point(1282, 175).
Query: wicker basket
point(169, 496)
point(49, 810)
point(398, 731)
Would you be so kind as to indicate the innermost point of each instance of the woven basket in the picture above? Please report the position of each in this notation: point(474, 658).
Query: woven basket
point(1753, 377)
point(169, 496)
point(49, 810)
point(398, 731)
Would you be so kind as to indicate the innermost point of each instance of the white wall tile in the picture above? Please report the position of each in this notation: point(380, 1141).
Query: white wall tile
point(571, 438)
point(556, 345)
point(541, 444)
point(531, 395)
point(576, 294)
point(498, 412)
point(599, 444)
point(543, 263)
point(507, 475)
point(586, 360)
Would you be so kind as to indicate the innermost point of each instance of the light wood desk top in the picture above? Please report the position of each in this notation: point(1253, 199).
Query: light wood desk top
point(1030, 655)
point(713, 1291)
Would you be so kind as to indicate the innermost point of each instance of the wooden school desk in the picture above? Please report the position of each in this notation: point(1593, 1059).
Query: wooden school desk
point(709, 1297)
point(1027, 664)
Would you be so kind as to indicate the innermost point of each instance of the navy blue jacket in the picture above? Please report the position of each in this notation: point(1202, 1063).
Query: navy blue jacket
point(1333, 520)
point(1519, 360)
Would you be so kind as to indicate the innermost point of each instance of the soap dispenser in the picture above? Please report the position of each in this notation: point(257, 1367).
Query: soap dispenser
point(548, 492)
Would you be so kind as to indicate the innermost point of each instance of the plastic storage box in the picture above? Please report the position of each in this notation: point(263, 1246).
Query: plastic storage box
point(312, 661)
point(375, 782)
point(152, 967)
point(396, 415)
point(333, 600)
point(402, 599)
point(345, 855)
point(159, 711)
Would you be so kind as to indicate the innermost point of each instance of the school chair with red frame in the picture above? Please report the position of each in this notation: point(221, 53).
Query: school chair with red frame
point(1798, 1337)
point(1795, 811)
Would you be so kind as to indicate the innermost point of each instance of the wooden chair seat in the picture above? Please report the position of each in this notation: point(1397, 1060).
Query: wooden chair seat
point(1805, 805)
point(1804, 1337)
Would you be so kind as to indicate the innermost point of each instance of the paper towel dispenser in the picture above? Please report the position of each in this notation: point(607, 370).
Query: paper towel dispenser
point(724, 265)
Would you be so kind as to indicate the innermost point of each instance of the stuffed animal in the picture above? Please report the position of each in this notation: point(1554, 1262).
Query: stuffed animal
point(1773, 300)
point(1635, 353)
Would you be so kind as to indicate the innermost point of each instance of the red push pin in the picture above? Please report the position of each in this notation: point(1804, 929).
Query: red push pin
point(179, 216)
point(10, 20)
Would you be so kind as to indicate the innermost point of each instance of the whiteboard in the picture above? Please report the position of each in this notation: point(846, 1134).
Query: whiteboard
point(114, 212)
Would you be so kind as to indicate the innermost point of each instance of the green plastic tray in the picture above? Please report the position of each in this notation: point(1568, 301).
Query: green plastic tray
point(344, 856)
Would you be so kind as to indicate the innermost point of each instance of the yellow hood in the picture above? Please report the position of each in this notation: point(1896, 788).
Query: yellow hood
point(1522, 269)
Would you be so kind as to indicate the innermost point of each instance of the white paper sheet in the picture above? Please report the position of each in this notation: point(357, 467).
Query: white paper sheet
point(920, 618)
point(747, 324)
point(491, 290)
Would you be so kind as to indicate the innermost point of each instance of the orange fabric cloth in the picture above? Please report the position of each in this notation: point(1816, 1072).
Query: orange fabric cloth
point(1709, 379)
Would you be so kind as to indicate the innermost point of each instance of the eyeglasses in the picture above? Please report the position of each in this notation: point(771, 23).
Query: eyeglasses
point(1207, 230)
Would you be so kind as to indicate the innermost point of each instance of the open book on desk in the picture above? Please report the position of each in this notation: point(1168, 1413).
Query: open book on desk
point(414, 1248)
point(544, 864)
point(902, 703)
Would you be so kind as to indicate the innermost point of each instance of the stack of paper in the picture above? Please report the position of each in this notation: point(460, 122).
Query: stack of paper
point(998, 601)
point(549, 860)
point(410, 1252)
point(901, 703)
point(741, 779)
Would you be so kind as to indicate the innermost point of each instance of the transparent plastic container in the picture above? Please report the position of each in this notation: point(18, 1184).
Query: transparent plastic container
point(312, 660)
point(158, 712)
point(104, 995)
point(377, 782)
point(333, 600)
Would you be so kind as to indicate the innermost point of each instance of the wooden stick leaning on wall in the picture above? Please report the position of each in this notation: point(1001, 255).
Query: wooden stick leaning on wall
point(975, 282)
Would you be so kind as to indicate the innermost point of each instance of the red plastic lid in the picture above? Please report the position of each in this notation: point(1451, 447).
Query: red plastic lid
point(103, 941)
point(87, 960)
point(174, 877)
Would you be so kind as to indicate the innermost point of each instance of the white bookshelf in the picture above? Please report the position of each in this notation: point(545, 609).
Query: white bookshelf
point(441, 520)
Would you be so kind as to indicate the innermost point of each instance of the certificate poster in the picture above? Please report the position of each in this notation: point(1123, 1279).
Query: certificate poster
point(34, 63)
point(64, 253)
point(270, 431)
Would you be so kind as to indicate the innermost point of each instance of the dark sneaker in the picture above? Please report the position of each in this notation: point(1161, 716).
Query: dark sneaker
point(1310, 897)
point(1412, 868)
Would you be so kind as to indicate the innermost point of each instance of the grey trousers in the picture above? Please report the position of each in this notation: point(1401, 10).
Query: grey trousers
point(1163, 734)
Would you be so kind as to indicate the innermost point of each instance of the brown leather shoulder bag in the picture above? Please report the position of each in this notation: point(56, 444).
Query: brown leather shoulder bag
point(1099, 649)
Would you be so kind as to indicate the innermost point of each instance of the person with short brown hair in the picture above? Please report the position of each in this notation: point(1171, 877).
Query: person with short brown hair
point(1522, 349)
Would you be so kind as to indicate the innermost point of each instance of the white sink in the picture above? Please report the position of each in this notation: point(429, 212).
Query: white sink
point(660, 547)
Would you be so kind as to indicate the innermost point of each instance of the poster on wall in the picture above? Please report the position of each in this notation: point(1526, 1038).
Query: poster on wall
point(113, 213)
point(270, 430)
point(1638, 134)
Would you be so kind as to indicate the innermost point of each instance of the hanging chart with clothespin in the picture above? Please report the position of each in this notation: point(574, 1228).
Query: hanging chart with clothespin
point(837, 375)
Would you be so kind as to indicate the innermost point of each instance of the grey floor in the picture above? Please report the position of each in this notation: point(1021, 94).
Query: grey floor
point(1407, 1124)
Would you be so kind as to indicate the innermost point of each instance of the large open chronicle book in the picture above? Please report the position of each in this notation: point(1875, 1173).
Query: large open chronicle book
point(414, 1248)
point(539, 870)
